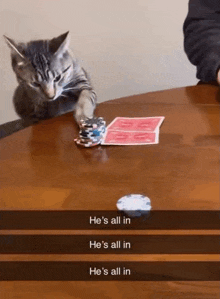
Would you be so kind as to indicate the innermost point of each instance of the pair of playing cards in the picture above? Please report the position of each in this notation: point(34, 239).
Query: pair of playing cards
point(133, 131)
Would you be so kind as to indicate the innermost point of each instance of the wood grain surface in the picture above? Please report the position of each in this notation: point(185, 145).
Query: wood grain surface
point(43, 169)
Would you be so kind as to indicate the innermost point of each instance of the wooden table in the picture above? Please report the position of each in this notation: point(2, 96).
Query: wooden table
point(43, 169)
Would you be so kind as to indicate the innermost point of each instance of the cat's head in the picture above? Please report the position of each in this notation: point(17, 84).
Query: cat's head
point(43, 66)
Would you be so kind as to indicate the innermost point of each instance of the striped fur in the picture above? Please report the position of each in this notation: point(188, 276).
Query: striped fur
point(51, 81)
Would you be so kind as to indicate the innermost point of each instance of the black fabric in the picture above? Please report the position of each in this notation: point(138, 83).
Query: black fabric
point(215, 83)
point(202, 37)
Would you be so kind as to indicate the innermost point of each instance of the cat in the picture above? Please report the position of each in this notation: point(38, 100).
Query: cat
point(51, 80)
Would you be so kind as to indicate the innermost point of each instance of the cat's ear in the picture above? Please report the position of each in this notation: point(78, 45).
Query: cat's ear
point(60, 44)
point(14, 47)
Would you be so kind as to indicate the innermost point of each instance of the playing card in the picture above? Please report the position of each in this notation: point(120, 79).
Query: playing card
point(114, 137)
point(150, 124)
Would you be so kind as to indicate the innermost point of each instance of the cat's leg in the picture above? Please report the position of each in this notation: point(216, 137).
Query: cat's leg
point(85, 105)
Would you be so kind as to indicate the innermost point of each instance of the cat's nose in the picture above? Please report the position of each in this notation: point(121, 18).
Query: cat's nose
point(49, 91)
point(50, 95)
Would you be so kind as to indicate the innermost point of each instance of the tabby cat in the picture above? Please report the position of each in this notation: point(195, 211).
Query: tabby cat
point(51, 80)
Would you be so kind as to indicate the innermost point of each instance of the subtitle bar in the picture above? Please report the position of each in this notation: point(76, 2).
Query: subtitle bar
point(108, 220)
point(109, 271)
point(109, 244)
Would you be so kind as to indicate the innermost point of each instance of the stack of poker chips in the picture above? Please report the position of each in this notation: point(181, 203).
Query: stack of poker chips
point(91, 132)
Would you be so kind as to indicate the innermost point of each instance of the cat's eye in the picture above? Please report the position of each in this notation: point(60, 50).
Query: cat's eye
point(35, 84)
point(57, 78)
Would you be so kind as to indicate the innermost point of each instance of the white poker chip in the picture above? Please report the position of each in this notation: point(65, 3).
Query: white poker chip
point(134, 205)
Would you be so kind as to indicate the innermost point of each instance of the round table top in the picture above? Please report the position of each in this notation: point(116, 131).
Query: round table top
point(43, 169)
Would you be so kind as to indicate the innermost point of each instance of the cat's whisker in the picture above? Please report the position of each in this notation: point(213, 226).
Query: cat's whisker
point(70, 89)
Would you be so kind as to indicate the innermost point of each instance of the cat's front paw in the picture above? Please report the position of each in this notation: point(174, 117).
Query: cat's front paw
point(81, 114)
point(85, 107)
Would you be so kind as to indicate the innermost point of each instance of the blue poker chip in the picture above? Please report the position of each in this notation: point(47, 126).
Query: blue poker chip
point(134, 205)
point(94, 133)
point(93, 130)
